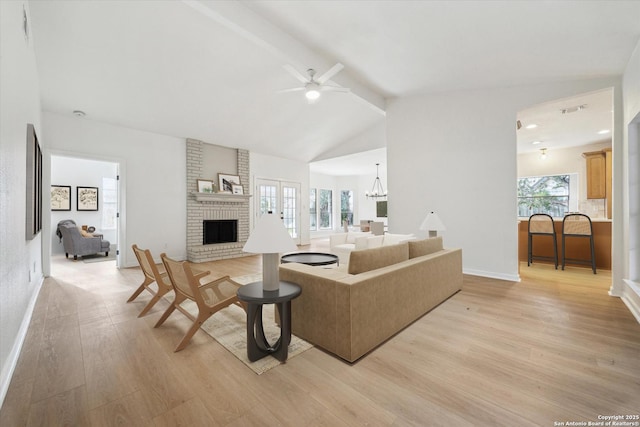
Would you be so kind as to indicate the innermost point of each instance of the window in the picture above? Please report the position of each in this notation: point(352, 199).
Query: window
point(326, 209)
point(109, 203)
point(545, 194)
point(346, 207)
point(268, 198)
point(313, 213)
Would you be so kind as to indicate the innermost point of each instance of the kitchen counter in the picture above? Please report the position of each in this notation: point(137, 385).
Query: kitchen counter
point(576, 247)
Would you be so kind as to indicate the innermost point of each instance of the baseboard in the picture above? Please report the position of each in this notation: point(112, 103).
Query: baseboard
point(492, 275)
point(631, 297)
point(14, 355)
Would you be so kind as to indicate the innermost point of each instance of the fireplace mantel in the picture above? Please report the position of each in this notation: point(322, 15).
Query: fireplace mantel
point(221, 197)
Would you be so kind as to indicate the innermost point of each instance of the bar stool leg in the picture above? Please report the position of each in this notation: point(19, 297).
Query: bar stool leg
point(555, 249)
point(563, 251)
point(593, 254)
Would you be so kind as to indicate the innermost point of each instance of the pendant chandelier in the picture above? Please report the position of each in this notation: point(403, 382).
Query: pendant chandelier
point(377, 191)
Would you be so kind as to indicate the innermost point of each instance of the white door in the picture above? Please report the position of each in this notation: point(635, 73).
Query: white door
point(282, 198)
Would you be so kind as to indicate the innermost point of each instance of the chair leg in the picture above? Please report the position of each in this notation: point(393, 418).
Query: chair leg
point(152, 302)
point(179, 299)
point(141, 288)
point(529, 250)
point(191, 332)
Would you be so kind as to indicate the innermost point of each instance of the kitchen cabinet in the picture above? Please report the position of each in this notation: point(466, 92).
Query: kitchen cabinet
point(596, 174)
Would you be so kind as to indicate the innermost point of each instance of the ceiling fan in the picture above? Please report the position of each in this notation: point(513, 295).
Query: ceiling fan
point(312, 85)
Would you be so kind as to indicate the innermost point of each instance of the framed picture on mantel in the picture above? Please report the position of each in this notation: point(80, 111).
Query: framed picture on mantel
point(226, 182)
point(237, 189)
point(205, 186)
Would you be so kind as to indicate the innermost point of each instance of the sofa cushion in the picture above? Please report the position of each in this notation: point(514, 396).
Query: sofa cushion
point(394, 239)
point(372, 259)
point(353, 235)
point(374, 242)
point(423, 247)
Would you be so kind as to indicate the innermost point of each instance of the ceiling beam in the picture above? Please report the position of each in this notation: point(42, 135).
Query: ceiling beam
point(254, 28)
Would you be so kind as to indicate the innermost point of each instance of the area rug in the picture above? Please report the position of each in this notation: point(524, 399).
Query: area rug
point(229, 328)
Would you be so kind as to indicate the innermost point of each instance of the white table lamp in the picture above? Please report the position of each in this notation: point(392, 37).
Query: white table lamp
point(270, 238)
point(433, 224)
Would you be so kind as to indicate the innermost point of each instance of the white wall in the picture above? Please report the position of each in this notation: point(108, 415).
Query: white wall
point(455, 154)
point(20, 259)
point(85, 173)
point(152, 179)
point(628, 258)
point(268, 167)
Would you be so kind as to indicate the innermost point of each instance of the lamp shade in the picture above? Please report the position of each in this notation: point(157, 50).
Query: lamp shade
point(269, 237)
point(432, 223)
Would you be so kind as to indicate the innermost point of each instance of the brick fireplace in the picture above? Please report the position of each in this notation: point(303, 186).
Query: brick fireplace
point(214, 207)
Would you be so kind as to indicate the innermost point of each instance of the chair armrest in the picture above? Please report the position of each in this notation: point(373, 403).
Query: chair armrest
point(200, 275)
point(215, 287)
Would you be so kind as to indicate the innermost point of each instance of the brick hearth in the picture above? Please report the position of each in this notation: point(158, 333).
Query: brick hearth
point(228, 207)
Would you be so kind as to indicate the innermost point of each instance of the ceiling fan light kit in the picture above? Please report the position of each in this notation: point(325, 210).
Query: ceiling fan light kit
point(314, 87)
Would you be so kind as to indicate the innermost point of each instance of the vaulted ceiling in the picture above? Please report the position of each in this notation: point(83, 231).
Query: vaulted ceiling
point(212, 70)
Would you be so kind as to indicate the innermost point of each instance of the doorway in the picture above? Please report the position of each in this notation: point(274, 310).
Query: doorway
point(73, 178)
point(282, 197)
point(554, 140)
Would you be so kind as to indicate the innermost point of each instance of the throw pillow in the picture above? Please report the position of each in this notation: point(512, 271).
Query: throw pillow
point(372, 259)
point(424, 247)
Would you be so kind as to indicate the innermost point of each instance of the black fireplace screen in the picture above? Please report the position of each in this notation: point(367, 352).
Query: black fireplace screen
point(219, 231)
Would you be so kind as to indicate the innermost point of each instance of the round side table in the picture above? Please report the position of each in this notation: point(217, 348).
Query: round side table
point(255, 297)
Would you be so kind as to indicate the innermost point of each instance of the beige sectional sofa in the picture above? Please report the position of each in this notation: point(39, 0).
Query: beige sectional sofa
point(342, 244)
point(349, 311)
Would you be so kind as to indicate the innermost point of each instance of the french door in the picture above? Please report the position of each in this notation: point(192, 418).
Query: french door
point(282, 198)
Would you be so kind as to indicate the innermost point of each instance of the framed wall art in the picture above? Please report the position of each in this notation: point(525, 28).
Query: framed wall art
point(226, 181)
point(205, 186)
point(87, 198)
point(60, 197)
point(237, 189)
point(34, 184)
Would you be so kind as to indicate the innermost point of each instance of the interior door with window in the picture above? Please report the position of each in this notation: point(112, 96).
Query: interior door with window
point(282, 198)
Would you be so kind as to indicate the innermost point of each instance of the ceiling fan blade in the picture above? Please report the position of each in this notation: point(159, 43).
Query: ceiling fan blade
point(326, 88)
point(295, 73)
point(293, 89)
point(330, 73)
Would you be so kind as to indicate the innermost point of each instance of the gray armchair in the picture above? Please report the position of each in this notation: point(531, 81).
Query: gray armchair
point(76, 244)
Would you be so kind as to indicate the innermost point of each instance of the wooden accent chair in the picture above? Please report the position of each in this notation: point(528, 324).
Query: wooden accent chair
point(209, 297)
point(151, 274)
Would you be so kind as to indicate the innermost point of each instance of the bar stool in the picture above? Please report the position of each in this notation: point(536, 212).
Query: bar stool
point(578, 225)
point(541, 225)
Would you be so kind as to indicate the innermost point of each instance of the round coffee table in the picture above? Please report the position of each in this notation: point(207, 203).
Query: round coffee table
point(310, 258)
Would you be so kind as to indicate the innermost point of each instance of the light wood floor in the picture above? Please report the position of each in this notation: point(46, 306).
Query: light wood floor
point(553, 348)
